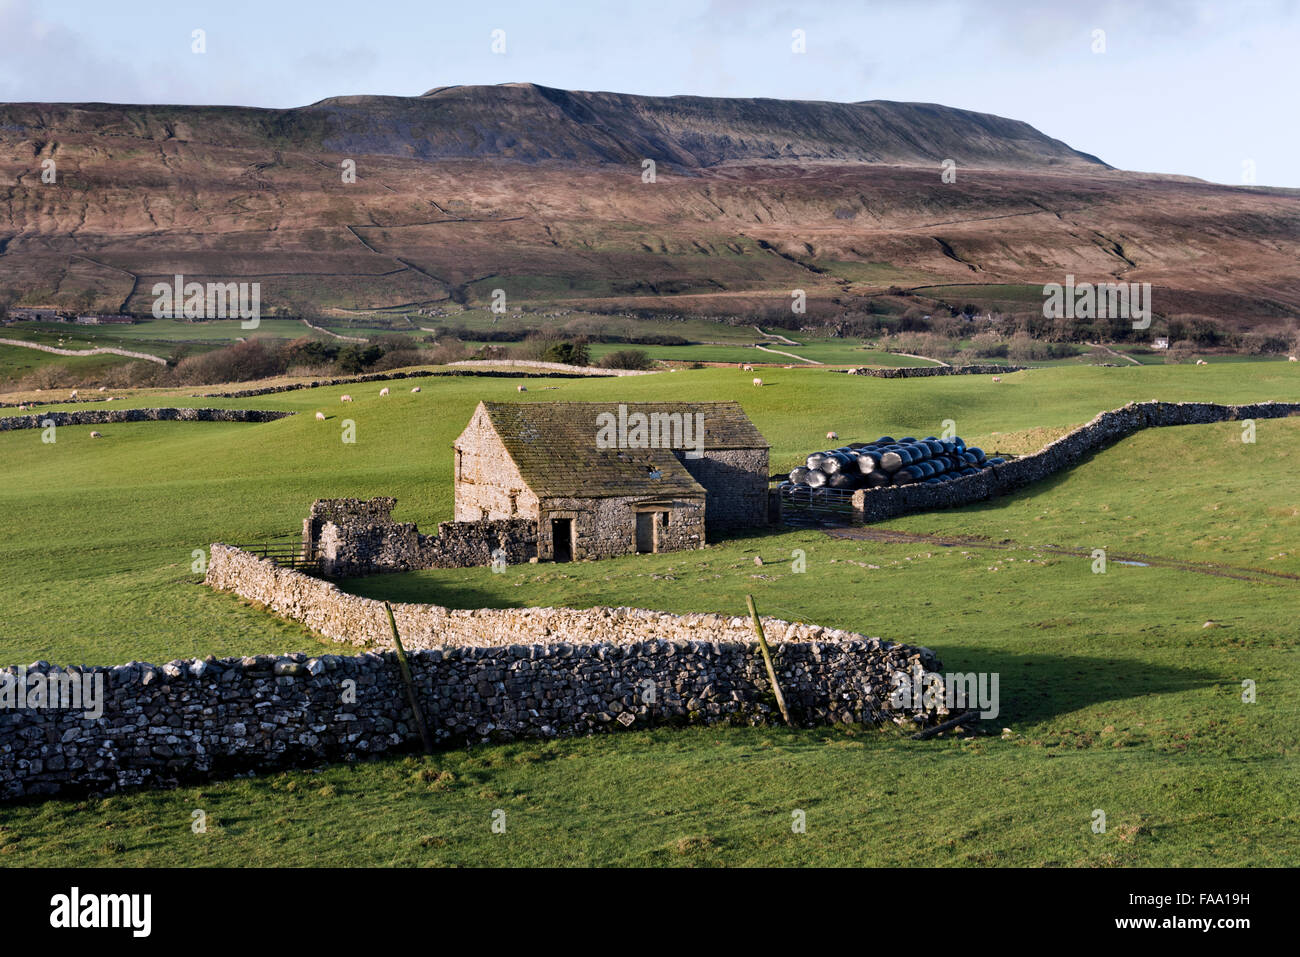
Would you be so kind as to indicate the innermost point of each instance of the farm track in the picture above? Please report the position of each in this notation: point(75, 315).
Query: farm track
point(1218, 569)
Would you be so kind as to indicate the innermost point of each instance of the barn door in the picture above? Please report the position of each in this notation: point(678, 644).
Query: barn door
point(645, 532)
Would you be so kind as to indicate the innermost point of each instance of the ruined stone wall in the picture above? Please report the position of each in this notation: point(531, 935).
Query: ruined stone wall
point(736, 482)
point(361, 548)
point(114, 416)
point(874, 505)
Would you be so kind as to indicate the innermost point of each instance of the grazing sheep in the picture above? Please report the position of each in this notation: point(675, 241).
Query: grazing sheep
point(747, 368)
point(522, 388)
point(74, 394)
point(345, 398)
point(997, 378)
point(22, 408)
point(96, 435)
point(384, 391)
point(1290, 359)
point(832, 435)
point(758, 382)
point(1201, 362)
point(320, 416)
point(416, 389)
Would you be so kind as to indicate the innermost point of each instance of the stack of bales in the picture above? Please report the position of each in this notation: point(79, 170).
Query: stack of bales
point(886, 461)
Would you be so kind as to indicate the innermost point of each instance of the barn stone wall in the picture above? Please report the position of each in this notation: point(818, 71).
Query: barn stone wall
point(874, 505)
point(606, 527)
point(487, 483)
point(736, 483)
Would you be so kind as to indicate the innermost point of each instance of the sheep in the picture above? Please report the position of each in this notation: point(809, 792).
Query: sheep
point(832, 435)
point(997, 378)
point(747, 368)
point(320, 416)
point(758, 381)
point(384, 391)
point(1201, 362)
point(74, 394)
point(1290, 359)
point(103, 388)
point(345, 398)
point(522, 388)
point(96, 435)
point(416, 389)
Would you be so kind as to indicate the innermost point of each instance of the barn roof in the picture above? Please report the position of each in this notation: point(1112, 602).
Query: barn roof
point(554, 446)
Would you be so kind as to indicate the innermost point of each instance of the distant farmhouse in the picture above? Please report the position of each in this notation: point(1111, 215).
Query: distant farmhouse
point(605, 479)
point(104, 320)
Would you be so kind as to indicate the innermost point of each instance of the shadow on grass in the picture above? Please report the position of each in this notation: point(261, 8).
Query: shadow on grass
point(1039, 687)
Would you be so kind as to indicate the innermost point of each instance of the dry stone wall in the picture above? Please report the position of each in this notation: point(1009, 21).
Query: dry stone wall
point(918, 372)
point(874, 505)
point(325, 609)
point(485, 675)
point(112, 416)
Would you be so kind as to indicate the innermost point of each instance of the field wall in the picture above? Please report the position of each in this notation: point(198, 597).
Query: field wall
point(874, 505)
point(114, 416)
point(482, 675)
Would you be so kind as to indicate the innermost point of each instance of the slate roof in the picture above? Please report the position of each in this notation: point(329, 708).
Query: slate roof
point(554, 446)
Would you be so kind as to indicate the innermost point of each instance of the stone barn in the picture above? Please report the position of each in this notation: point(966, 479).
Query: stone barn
point(607, 479)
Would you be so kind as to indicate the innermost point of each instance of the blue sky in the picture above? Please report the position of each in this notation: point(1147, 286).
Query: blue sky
point(1198, 88)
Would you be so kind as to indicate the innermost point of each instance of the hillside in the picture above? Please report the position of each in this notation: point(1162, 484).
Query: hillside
point(539, 192)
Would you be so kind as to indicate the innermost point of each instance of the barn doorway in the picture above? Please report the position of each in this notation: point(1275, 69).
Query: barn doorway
point(562, 539)
point(645, 532)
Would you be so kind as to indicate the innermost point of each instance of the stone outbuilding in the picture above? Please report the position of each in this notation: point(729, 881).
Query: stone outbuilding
point(605, 479)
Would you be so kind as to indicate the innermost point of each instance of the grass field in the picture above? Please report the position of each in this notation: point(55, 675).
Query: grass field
point(1116, 695)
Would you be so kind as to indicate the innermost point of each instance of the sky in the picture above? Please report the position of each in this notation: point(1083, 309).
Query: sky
point(1206, 89)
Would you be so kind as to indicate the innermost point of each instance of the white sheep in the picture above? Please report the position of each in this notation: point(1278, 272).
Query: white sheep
point(1290, 359)
point(522, 388)
point(320, 416)
point(416, 389)
point(747, 368)
point(345, 398)
point(103, 388)
point(997, 378)
point(384, 391)
point(96, 435)
point(758, 381)
point(1201, 362)
point(74, 394)
point(832, 435)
